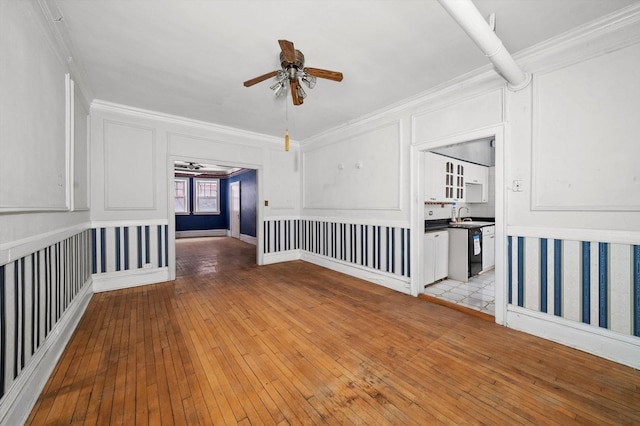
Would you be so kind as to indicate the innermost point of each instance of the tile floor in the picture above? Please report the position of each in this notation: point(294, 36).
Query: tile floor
point(478, 293)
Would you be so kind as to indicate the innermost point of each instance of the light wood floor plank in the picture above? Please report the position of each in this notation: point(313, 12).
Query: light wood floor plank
point(293, 343)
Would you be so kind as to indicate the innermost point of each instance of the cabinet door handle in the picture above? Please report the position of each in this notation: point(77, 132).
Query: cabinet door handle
point(436, 236)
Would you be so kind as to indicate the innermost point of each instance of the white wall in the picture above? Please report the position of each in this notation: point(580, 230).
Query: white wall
point(570, 138)
point(39, 173)
point(132, 167)
point(573, 146)
point(43, 200)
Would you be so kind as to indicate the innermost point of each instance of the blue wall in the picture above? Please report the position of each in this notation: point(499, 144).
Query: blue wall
point(248, 207)
point(248, 201)
point(192, 222)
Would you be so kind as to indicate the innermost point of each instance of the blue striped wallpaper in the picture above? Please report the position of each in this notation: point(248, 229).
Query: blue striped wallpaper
point(114, 250)
point(383, 248)
point(585, 279)
point(35, 292)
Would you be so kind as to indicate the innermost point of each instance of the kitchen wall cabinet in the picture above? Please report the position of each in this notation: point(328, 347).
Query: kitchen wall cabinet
point(435, 179)
point(444, 178)
point(436, 256)
point(477, 183)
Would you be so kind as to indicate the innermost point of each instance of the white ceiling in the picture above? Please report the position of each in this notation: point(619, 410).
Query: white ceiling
point(190, 57)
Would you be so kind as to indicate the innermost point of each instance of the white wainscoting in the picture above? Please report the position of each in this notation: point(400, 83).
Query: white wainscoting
point(44, 290)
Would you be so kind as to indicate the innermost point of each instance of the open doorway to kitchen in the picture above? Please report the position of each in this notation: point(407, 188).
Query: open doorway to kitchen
point(459, 223)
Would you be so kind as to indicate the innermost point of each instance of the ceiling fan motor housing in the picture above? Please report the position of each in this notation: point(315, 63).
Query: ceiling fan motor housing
point(298, 64)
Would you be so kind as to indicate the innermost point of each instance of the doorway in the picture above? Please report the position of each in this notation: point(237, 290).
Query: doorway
point(481, 150)
point(233, 213)
point(462, 183)
point(234, 209)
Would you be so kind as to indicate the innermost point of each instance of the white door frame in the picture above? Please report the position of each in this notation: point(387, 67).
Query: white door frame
point(235, 233)
point(417, 210)
point(171, 214)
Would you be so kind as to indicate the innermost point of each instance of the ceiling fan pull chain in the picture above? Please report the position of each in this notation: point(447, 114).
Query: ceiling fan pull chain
point(286, 140)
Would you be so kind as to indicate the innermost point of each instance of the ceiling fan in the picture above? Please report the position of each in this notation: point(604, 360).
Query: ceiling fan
point(293, 71)
point(188, 165)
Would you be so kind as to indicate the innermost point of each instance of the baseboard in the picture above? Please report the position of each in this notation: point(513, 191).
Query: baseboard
point(249, 239)
point(281, 256)
point(384, 279)
point(127, 279)
point(21, 397)
point(604, 343)
point(202, 233)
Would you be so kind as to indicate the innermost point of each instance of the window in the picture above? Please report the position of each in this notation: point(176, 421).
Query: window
point(182, 196)
point(206, 196)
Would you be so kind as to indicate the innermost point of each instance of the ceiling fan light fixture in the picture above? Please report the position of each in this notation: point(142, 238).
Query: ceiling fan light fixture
point(301, 93)
point(279, 88)
point(309, 80)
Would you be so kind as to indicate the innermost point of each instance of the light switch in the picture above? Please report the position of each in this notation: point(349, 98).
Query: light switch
point(517, 186)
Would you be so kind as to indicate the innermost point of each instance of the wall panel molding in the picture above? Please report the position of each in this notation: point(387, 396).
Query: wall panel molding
point(439, 121)
point(355, 181)
point(587, 168)
point(33, 114)
point(130, 166)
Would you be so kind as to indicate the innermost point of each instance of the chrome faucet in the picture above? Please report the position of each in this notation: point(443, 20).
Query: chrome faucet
point(468, 212)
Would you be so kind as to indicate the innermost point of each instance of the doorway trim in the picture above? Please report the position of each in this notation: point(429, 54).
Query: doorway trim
point(235, 233)
point(171, 234)
point(417, 209)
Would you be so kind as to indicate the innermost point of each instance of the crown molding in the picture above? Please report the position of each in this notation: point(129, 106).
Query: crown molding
point(53, 20)
point(110, 107)
point(610, 31)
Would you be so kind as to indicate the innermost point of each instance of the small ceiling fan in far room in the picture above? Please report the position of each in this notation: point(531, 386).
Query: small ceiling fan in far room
point(293, 71)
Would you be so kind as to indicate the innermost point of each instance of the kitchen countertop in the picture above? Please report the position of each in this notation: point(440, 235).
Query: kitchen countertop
point(440, 224)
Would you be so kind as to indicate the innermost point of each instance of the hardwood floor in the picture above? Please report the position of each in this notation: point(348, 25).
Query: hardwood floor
point(232, 343)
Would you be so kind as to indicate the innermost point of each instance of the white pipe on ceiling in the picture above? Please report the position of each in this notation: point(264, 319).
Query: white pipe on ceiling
point(469, 18)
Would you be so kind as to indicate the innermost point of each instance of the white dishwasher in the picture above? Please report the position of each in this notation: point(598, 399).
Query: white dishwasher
point(436, 256)
point(488, 247)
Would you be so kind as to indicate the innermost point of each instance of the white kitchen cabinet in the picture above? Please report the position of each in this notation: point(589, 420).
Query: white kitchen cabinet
point(488, 247)
point(436, 256)
point(444, 178)
point(434, 166)
point(476, 183)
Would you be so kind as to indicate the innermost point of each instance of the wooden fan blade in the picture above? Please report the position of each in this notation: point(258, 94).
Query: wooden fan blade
point(297, 100)
point(253, 81)
point(288, 51)
point(320, 73)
